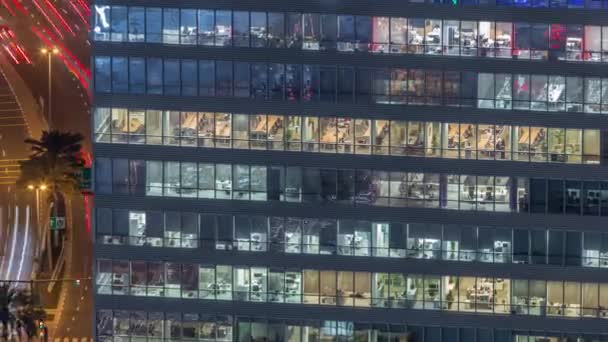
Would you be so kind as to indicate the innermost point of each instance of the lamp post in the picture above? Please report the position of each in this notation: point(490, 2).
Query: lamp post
point(37, 189)
point(50, 53)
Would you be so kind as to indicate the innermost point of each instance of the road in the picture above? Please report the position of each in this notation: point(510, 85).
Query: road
point(13, 130)
point(17, 217)
point(76, 306)
point(17, 240)
point(70, 112)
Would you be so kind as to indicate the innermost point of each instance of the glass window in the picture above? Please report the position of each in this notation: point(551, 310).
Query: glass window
point(258, 30)
point(171, 80)
point(240, 34)
point(136, 23)
point(154, 76)
point(276, 30)
point(103, 74)
point(101, 28)
point(153, 25)
point(171, 26)
point(206, 27)
point(223, 28)
point(137, 75)
point(119, 24)
point(188, 27)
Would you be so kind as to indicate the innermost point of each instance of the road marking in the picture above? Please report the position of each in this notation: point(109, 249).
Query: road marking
point(10, 260)
point(78, 308)
point(82, 298)
point(25, 237)
point(73, 318)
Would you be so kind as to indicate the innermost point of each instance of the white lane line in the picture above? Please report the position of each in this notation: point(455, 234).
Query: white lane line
point(1, 232)
point(10, 260)
point(25, 243)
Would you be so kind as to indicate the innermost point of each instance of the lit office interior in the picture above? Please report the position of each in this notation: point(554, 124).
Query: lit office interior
point(347, 135)
point(487, 295)
point(352, 33)
point(293, 235)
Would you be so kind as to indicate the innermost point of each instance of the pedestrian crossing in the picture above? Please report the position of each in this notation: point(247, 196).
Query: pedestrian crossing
point(73, 339)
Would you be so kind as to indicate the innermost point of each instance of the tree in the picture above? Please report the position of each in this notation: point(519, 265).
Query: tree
point(18, 311)
point(55, 162)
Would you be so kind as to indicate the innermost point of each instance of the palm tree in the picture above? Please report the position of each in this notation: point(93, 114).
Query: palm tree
point(55, 162)
point(17, 310)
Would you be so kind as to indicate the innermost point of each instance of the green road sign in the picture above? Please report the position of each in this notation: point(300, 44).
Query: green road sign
point(85, 178)
point(57, 223)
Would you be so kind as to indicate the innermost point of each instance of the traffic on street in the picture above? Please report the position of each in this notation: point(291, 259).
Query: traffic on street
point(45, 249)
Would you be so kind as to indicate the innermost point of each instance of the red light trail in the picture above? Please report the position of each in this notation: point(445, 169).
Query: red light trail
point(59, 16)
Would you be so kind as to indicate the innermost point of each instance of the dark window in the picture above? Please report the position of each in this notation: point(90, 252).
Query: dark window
point(556, 247)
point(103, 175)
point(103, 74)
point(223, 74)
point(556, 196)
point(538, 195)
point(189, 78)
point(154, 76)
point(539, 246)
point(206, 78)
point(172, 74)
point(120, 75)
point(137, 75)
point(573, 248)
point(345, 85)
point(328, 84)
point(241, 79)
point(521, 245)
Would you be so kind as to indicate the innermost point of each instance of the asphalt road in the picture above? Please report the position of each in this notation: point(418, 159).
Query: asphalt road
point(13, 130)
point(70, 113)
point(76, 320)
point(17, 230)
point(17, 216)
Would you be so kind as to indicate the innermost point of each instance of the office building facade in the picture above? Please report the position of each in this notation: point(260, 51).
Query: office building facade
point(345, 170)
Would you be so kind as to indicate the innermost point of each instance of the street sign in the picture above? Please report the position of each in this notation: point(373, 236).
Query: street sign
point(85, 178)
point(57, 223)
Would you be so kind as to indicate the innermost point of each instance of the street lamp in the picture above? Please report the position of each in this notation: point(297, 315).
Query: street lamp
point(38, 188)
point(50, 53)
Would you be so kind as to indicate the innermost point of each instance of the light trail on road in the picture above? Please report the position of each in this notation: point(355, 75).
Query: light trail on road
point(13, 246)
point(24, 249)
point(17, 261)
